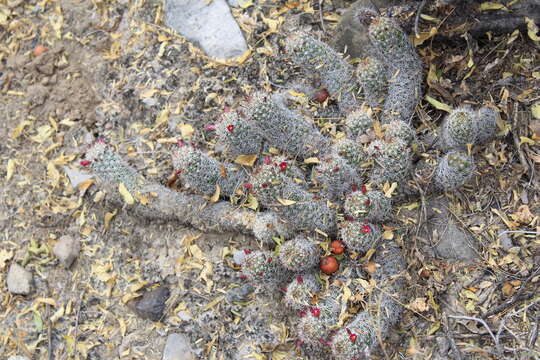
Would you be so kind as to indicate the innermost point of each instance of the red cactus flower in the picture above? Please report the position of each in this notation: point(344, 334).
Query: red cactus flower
point(364, 189)
point(85, 162)
point(353, 337)
point(300, 279)
point(315, 312)
point(230, 127)
point(366, 229)
point(283, 165)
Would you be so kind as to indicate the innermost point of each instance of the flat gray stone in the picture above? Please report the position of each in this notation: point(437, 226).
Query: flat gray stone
point(67, 249)
point(19, 280)
point(450, 241)
point(178, 348)
point(210, 25)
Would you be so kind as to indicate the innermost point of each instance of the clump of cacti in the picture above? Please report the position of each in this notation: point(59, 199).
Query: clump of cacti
point(304, 182)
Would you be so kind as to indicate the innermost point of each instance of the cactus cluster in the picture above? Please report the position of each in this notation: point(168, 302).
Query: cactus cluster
point(303, 204)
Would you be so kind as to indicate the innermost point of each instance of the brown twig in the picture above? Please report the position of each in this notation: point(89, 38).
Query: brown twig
point(450, 338)
point(483, 322)
point(49, 324)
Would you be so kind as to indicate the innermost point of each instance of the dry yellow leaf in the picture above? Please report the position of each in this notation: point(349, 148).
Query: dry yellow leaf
point(215, 197)
point(246, 160)
point(163, 116)
point(108, 217)
point(535, 110)
point(312, 160)
point(438, 105)
point(490, 5)
point(10, 169)
point(186, 131)
point(49, 301)
point(378, 129)
point(128, 198)
point(285, 202)
point(296, 93)
point(143, 199)
point(388, 235)
point(53, 174)
point(389, 189)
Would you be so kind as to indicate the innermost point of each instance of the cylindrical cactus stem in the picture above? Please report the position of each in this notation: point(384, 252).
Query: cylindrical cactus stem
point(108, 166)
point(486, 124)
point(371, 206)
point(350, 151)
point(459, 128)
point(203, 174)
point(240, 136)
point(356, 339)
point(393, 161)
point(371, 76)
point(358, 122)
point(454, 170)
point(262, 267)
point(334, 175)
point(400, 130)
point(404, 68)
point(283, 128)
point(335, 73)
point(359, 236)
point(301, 291)
point(268, 225)
point(154, 201)
point(299, 254)
point(315, 327)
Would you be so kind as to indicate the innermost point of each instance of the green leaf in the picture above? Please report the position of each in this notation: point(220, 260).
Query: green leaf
point(438, 105)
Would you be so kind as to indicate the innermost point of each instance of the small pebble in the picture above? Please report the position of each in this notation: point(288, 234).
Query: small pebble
point(67, 249)
point(19, 280)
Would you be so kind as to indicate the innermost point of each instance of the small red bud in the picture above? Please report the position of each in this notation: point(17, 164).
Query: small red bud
point(85, 162)
point(300, 279)
point(315, 312)
point(180, 143)
point(366, 229)
point(353, 337)
point(335, 169)
point(100, 140)
point(283, 165)
point(321, 96)
point(367, 202)
point(210, 127)
point(248, 186)
point(243, 277)
point(267, 160)
point(264, 185)
point(364, 189)
point(349, 218)
point(230, 127)
point(354, 187)
point(302, 313)
point(247, 252)
point(269, 260)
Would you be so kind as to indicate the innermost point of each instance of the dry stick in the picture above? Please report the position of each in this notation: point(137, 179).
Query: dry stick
point(417, 18)
point(515, 136)
point(481, 321)
point(503, 321)
point(450, 338)
point(518, 297)
point(49, 324)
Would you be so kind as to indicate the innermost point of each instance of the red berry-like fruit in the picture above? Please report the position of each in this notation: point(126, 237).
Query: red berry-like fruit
point(337, 247)
point(353, 337)
point(315, 312)
point(321, 96)
point(230, 127)
point(329, 265)
point(283, 165)
point(85, 162)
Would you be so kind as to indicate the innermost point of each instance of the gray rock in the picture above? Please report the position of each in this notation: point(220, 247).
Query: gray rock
point(152, 304)
point(178, 348)
point(450, 241)
point(19, 280)
point(67, 249)
point(210, 25)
